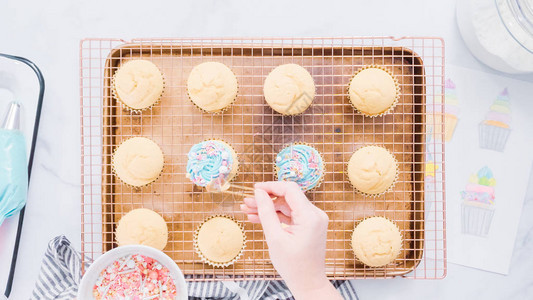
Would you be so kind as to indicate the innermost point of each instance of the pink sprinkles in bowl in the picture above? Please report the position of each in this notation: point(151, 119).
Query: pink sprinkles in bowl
point(135, 277)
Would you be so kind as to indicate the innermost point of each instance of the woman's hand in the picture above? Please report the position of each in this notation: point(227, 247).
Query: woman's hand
point(298, 247)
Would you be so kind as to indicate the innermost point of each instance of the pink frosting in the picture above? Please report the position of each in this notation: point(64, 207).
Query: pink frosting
point(449, 84)
point(497, 116)
point(505, 92)
point(452, 109)
point(478, 188)
point(437, 108)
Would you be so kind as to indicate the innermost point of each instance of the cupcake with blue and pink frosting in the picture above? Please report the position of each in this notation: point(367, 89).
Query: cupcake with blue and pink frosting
point(212, 163)
point(302, 164)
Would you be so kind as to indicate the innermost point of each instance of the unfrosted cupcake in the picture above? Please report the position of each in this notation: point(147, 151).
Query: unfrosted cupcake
point(219, 240)
point(138, 161)
point(212, 87)
point(376, 241)
point(142, 227)
point(302, 164)
point(289, 89)
point(212, 162)
point(372, 170)
point(373, 91)
point(138, 85)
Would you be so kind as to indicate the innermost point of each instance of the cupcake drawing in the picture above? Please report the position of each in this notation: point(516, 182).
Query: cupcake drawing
point(452, 109)
point(495, 129)
point(477, 207)
point(434, 119)
point(449, 116)
point(430, 181)
point(430, 172)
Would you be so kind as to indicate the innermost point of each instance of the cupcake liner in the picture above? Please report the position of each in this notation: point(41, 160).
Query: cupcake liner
point(130, 185)
point(476, 220)
point(389, 189)
point(225, 108)
point(291, 115)
point(366, 218)
point(323, 166)
point(135, 110)
point(396, 82)
point(493, 137)
point(205, 259)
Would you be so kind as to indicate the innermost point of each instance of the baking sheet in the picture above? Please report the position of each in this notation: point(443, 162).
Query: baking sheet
point(257, 134)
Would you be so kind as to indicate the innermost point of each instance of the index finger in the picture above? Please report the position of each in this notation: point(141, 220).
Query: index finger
point(294, 196)
point(267, 214)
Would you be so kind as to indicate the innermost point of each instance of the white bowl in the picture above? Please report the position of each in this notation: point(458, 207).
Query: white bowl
point(85, 290)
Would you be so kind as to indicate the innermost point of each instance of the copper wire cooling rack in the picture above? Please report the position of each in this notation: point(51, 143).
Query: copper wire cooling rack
point(414, 132)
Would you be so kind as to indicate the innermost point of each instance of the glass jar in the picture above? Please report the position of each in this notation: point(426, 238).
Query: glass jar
point(499, 32)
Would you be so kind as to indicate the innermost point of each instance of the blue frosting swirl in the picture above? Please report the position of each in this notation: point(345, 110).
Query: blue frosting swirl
point(301, 164)
point(208, 161)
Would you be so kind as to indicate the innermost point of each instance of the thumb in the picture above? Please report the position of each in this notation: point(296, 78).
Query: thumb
point(267, 214)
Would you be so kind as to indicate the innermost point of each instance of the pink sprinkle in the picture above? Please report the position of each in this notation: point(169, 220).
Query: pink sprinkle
point(153, 275)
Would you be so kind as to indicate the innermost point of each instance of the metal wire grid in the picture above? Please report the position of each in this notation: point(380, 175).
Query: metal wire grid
point(257, 133)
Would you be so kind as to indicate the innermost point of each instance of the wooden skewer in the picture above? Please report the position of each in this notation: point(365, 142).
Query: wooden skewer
point(229, 190)
point(242, 187)
point(240, 193)
point(236, 193)
point(245, 188)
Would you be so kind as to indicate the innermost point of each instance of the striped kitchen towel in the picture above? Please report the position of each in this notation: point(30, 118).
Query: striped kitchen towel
point(61, 274)
point(60, 271)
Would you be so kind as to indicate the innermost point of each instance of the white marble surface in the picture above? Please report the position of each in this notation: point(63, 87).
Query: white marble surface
point(48, 32)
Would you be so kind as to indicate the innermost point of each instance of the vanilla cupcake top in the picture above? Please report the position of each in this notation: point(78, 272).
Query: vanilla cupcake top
point(289, 89)
point(376, 241)
point(138, 84)
point(220, 239)
point(373, 91)
point(138, 161)
point(142, 227)
point(212, 86)
point(372, 169)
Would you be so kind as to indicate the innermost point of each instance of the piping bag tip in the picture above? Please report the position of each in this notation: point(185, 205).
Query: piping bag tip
point(12, 118)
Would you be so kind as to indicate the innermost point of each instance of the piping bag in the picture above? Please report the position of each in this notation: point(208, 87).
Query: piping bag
point(13, 168)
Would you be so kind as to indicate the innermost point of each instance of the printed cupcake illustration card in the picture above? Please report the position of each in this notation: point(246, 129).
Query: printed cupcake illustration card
point(488, 164)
